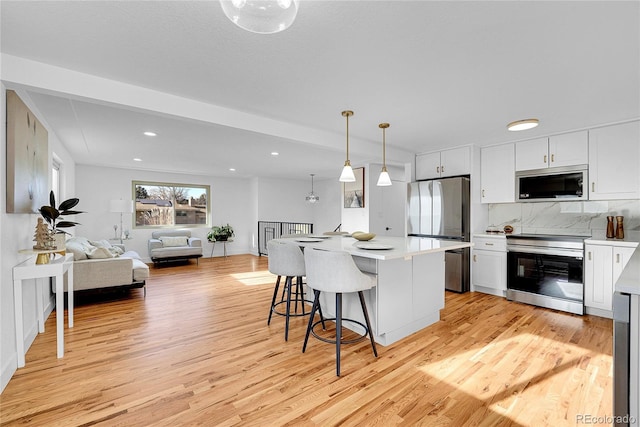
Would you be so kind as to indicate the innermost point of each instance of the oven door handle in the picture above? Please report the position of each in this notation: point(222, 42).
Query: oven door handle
point(546, 251)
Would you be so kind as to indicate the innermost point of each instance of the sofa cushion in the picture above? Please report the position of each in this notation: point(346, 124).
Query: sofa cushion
point(115, 250)
point(99, 253)
point(140, 270)
point(173, 241)
point(79, 247)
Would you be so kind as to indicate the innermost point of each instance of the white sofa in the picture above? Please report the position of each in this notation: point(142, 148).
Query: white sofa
point(174, 245)
point(99, 264)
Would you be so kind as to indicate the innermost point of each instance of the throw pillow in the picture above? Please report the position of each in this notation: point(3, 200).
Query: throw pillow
point(100, 243)
point(171, 241)
point(99, 253)
point(116, 251)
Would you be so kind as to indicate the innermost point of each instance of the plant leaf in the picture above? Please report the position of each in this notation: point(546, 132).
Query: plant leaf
point(68, 204)
point(49, 213)
point(67, 224)
point(71, 212)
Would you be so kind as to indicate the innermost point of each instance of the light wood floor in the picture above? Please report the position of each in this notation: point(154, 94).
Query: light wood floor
point(197, 351)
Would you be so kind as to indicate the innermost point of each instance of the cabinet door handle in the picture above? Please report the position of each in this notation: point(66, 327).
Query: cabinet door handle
point(589, 255)
point(545, 159)
point(488, 244)
point(438, 169)
point(482, 193)
point(593, 187)
point(552, 158)
point(617, 258)
point(442, 169)
point(474, 259)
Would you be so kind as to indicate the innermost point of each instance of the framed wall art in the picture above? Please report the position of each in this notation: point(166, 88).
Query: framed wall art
point(354, 191)
point(27, 158)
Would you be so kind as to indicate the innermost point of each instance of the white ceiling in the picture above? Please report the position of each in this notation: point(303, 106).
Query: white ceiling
point(442, 73)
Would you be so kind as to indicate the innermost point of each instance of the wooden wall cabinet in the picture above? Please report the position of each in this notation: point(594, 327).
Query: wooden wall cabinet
point(567, 149)
point(497, 174)
point(440, 164)
point(614, 162)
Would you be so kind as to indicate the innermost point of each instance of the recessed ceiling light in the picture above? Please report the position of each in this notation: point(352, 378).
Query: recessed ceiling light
point(149, 133)
point(275, 153)
point(137, 159)
point(232, 169)
point(523, 124)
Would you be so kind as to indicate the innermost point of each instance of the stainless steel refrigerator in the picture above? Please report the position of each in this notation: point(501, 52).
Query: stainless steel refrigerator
point(440, 208)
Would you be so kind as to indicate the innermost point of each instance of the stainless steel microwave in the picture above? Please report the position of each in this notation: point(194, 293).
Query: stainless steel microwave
point(553, 184)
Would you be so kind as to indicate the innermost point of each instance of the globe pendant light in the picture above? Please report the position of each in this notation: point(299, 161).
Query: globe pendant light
point(384, 180)
point(312, 197)
point(261, 16)
point(347, 172)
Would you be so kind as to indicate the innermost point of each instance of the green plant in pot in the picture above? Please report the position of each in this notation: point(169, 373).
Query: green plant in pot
point(220, 233)
point(53, 215)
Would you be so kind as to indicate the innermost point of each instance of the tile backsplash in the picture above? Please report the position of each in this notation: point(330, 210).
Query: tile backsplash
point(565, 217)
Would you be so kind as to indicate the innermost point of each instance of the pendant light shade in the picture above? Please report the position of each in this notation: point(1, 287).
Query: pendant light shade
point(312, 197)
point(347, 172)
point(384, 180)
point(261, 16)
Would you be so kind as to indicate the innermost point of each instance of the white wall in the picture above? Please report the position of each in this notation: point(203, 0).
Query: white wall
point(16, 232)
point(230, 203)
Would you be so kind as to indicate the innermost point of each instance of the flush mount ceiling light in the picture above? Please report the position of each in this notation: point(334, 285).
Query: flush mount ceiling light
point(523, 124)
point(149, 133)
point(347, 172)
point(261, 16)
point(312, 197)
point(384, 180)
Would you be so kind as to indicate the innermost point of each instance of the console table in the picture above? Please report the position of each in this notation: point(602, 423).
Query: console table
point(56, 268)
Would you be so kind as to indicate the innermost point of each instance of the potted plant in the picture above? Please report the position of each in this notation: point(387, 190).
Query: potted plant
point(53, 215)
point(220, 233)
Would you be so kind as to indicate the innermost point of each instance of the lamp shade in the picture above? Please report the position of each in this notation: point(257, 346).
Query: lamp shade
point(347, 174)
point(384, 180)
point(261, 16)
point(121, 206)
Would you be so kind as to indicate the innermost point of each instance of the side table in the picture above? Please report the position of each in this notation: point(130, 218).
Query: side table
point(56, 268)
point(224, 246)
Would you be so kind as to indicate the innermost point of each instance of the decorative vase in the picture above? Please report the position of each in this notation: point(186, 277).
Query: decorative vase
point(610, 232)
point(60, 241)
point(619, 227)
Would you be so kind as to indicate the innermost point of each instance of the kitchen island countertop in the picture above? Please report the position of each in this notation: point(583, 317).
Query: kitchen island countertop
point(401, 247)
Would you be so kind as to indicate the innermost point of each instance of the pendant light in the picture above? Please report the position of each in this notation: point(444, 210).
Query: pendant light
point(261, 16)
point(347, 172)
point(384, 180)
point(312, 197)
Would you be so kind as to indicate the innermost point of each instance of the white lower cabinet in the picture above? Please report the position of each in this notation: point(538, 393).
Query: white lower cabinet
point(489, 264)
point(602, 268)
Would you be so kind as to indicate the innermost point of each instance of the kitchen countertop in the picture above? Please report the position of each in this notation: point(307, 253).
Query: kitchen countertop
point(631, 239)
point(629, 281)
point(401, 246)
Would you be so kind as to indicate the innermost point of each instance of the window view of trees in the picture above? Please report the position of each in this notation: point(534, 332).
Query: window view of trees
point(165, 204)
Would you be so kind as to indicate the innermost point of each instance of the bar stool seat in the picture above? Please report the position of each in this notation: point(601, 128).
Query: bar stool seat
point(336, 272)
point(286, 259)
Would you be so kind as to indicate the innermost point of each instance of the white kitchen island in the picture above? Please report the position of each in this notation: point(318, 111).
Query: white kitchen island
point(409, 293)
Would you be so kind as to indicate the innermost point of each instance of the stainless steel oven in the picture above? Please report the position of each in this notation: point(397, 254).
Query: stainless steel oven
point(547, 271)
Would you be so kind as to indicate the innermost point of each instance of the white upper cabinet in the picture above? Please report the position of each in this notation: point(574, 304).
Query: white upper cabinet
point(497, 174)
point(614, 162)
point(453, 162)
point(568, 149)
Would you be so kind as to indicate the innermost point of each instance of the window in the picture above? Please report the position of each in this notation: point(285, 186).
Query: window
point(160, 204)
point(55, 180)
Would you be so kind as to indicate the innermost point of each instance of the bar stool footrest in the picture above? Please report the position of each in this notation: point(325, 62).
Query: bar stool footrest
point(351, 341)
point(293, 301)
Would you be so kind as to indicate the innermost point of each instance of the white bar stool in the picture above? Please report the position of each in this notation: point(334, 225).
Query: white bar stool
point(336, 272)
point(286, 259)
